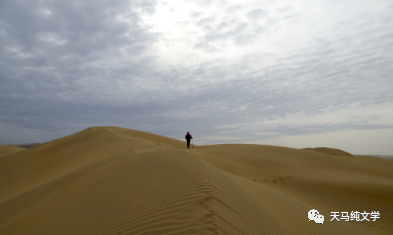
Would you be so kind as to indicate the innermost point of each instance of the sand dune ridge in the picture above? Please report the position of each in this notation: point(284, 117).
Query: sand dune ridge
point(110, 180)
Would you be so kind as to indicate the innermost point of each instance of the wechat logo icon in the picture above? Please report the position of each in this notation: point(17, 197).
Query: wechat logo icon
point(314, 215)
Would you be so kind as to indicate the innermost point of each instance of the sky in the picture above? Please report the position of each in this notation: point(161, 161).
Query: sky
point(297, 74)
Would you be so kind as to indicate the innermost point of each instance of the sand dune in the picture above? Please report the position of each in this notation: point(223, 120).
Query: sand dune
point(330, 151)
point(109, 180)
point(8, 149)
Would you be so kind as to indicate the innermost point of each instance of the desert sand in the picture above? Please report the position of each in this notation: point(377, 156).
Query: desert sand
point(110, 180)
point(8, 149)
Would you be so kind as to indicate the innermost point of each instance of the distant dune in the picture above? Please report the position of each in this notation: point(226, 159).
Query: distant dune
point(25, 145)
point(110, 180)
point(330, 151)
point(390, 157)
point(8, 149)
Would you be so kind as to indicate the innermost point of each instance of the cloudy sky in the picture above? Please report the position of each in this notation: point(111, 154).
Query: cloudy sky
point(299, 74)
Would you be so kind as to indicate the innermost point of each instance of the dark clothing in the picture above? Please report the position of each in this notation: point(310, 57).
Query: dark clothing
point(188, 137)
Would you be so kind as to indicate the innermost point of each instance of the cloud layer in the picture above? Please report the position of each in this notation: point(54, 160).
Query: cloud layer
point(228, 71)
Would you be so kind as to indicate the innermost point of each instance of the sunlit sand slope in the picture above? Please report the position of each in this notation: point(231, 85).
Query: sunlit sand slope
point(109, 180)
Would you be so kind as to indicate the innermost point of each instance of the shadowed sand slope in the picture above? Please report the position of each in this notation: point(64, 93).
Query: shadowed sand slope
point(109, 180)
point(8, 149)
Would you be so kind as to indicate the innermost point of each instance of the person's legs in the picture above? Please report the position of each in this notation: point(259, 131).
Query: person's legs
point(188, 144)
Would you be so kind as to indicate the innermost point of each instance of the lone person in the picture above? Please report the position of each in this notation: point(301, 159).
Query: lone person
point(188, 137)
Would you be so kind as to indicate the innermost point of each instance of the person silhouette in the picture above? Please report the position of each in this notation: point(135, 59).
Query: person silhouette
point(188, 137)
